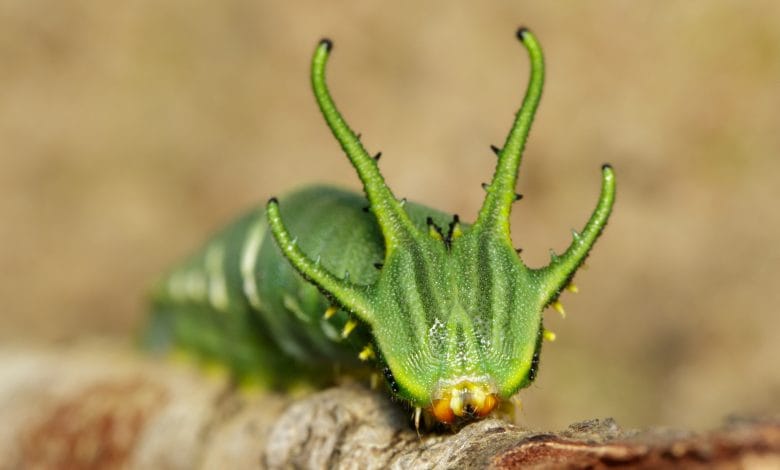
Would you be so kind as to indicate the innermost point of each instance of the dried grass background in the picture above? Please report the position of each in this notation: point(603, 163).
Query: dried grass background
point(131, 130)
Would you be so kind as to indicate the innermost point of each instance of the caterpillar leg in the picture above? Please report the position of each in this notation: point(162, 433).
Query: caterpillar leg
point(511, 410)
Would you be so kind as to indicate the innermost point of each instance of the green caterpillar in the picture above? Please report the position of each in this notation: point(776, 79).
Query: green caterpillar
point(446, 310)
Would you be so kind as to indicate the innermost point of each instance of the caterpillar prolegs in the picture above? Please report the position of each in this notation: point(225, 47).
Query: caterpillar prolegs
point(446, 310)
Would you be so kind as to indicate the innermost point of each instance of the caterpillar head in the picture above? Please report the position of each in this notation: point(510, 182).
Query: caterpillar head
point(455, 314)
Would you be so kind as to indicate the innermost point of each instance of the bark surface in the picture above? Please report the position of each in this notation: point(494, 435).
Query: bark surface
point(105, 407)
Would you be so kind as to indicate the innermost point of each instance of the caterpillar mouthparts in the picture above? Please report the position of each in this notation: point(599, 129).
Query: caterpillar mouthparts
point(466, 399)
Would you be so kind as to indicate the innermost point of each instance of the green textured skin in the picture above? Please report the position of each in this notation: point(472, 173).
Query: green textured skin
point(452, 313)
point(271, 329)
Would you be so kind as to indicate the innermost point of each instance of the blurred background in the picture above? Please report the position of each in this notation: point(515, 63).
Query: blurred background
point(129, 131)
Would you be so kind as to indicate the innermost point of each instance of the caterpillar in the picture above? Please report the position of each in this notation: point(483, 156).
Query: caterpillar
point(446, 310)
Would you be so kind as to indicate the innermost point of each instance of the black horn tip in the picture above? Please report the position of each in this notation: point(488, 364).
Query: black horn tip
point(327, 43)
point(606, 166)
point(521, 32)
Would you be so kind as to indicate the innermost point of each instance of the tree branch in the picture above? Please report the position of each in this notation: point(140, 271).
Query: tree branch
point(99, 406)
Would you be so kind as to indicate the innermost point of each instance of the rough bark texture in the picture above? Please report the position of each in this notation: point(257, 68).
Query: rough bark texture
point(100, 407)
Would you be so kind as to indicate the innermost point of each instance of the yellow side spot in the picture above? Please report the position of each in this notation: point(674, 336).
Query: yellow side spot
point(348, 327)
point(215, 370)
point(548, 335)
point(180, 355)
point(434, 233)
point(330, 312)
point(456, 232)
point(558, 307)
point(298, 390)
point(572, 288)
point(250, 386)
point(367, 353)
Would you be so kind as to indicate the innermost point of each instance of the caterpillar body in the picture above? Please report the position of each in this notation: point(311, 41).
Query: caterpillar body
point(446, 310)
point(278, 330)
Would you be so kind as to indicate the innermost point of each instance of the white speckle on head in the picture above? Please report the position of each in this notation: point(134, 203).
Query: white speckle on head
point(461, 357)
point(249, 255)
point(215, 267)
point(437, 333)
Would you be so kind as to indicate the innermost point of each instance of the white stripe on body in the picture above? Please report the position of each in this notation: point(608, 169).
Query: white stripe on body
point(249, 254)
point(217, 285)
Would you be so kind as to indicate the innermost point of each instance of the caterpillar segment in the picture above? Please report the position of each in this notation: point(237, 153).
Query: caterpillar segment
point(240, 303)
point(451, 315)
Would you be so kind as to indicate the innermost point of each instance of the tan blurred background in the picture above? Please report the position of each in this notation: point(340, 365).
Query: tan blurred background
point(131, 130)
